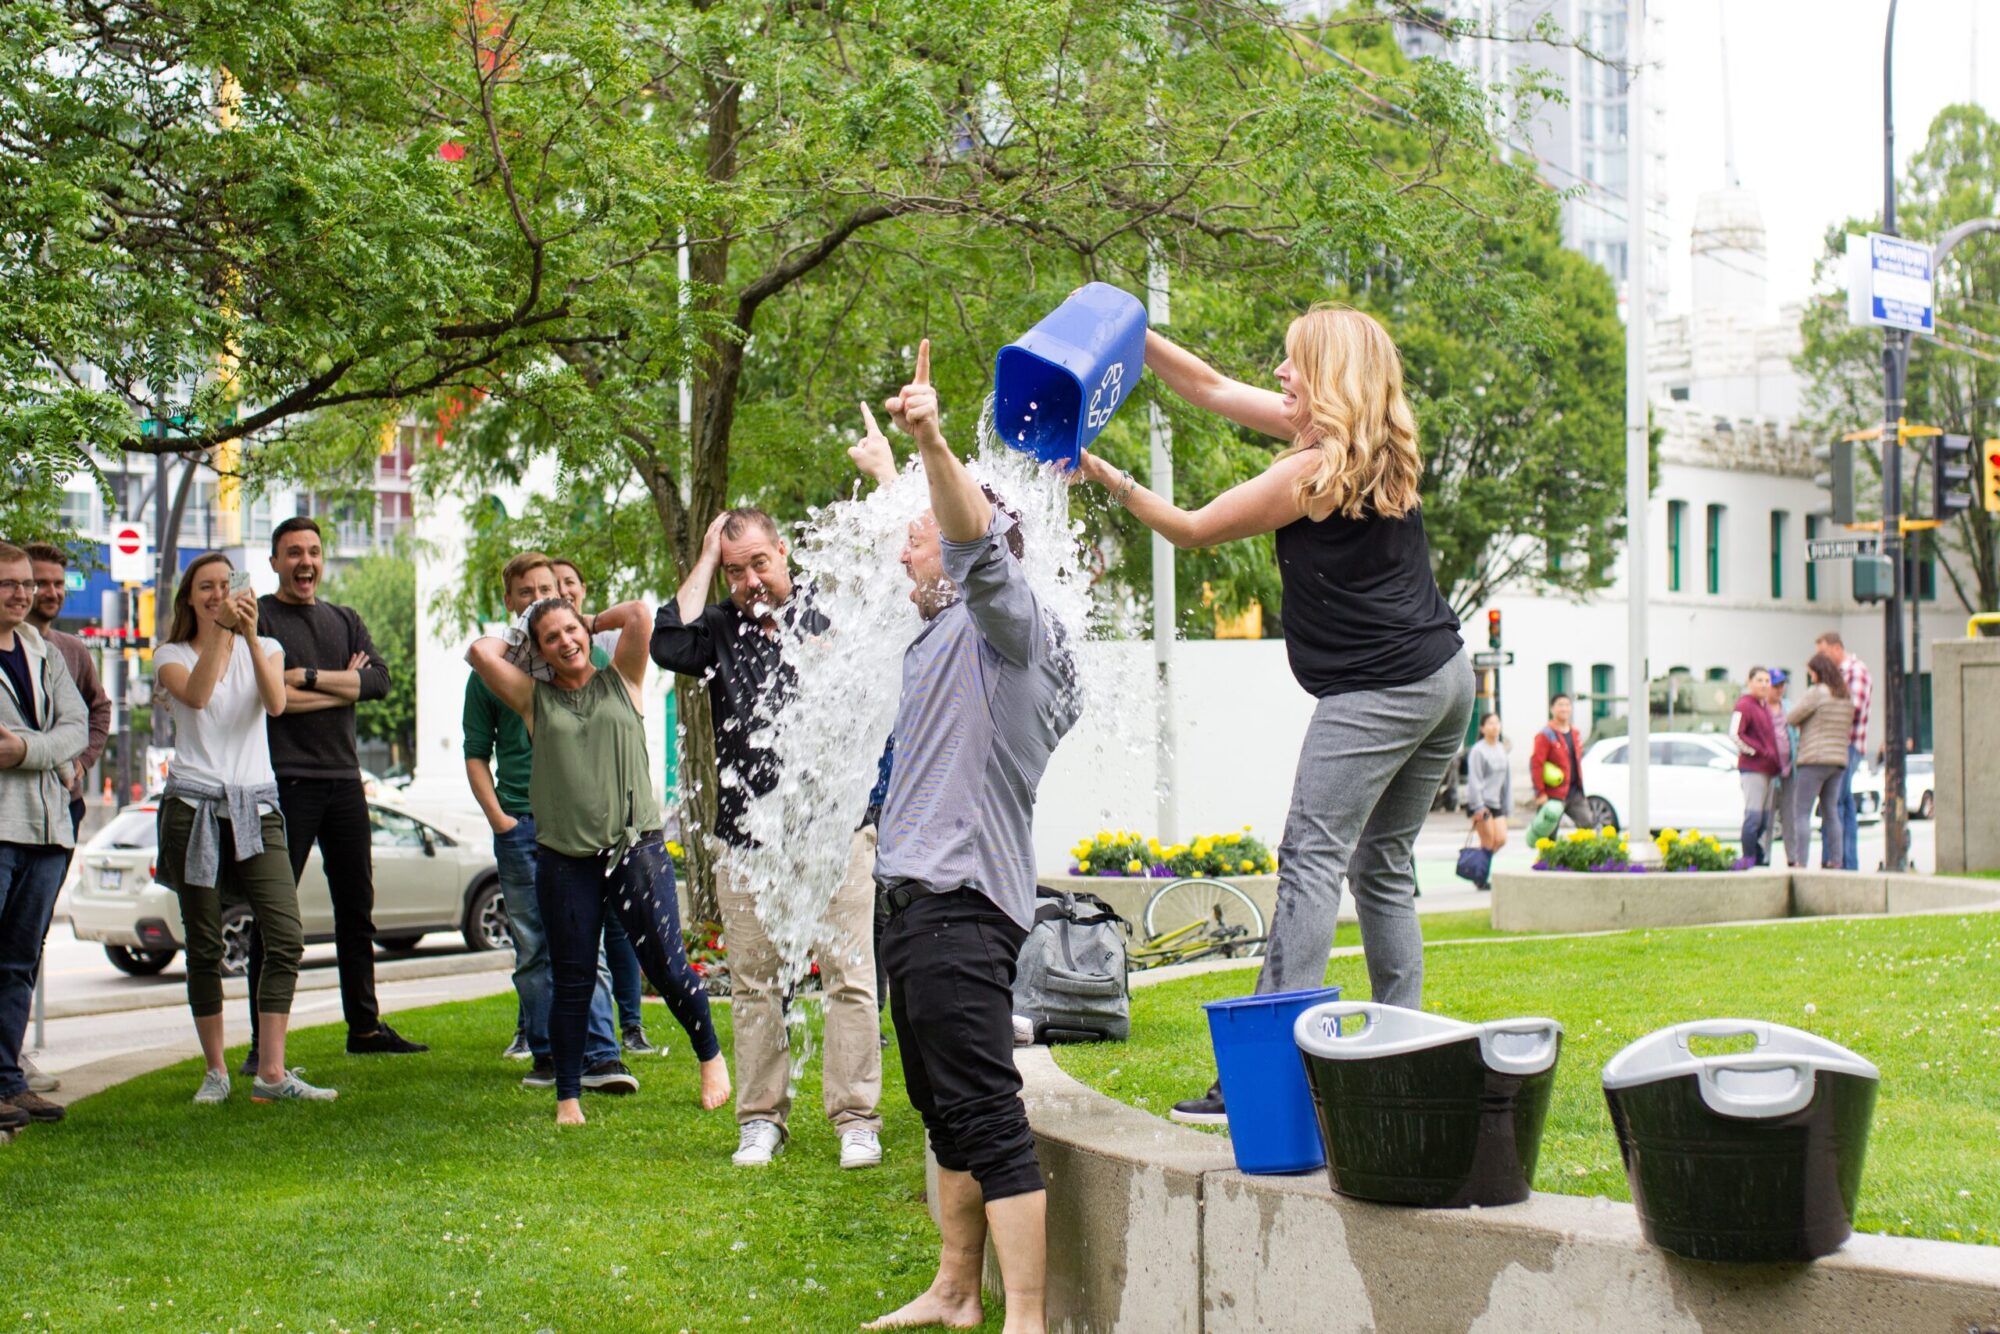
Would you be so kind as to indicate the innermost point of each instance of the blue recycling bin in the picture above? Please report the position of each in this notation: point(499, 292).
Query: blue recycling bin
point(1272, 1125)
point(1056, 386)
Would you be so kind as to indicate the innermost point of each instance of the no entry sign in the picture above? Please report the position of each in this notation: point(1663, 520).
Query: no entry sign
point(131, 554)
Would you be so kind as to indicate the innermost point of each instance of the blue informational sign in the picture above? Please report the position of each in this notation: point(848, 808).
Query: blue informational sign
point(81, 601)
point(1889, 283)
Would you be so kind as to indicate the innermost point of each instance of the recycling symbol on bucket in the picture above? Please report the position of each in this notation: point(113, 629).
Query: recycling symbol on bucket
point(1106, 394)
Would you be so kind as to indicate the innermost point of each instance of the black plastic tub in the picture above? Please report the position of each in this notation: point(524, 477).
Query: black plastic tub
point(1419, 1109)
point(1742, 1158)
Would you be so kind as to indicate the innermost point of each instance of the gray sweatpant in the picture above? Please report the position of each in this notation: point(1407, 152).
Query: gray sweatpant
point(1371, 763)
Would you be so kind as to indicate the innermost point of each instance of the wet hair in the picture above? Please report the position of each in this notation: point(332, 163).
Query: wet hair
point(540, 610)
point(43, 551)
point(1016, 543)
point(741, 519)
point(1827, 674)
point(184, 623)
point(298, 523)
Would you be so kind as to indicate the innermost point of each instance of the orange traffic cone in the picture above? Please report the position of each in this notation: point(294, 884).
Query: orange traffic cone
point(107, 791)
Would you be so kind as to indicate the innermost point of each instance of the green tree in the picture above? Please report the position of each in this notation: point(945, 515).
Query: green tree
point(1953, 380)
point(382, 587)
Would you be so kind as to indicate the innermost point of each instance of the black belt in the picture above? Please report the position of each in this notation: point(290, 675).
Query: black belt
point(902, 895)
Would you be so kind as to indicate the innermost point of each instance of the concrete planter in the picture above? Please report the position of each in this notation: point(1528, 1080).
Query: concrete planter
point(1128, 894)
point(1617, 900)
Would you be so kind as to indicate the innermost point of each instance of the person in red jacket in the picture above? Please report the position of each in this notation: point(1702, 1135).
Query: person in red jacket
point(1558, 750)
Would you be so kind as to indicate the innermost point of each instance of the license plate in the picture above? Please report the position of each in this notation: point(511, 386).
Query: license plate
point(110, 877)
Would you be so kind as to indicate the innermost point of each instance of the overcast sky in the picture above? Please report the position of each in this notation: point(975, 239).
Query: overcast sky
point(1805, 79)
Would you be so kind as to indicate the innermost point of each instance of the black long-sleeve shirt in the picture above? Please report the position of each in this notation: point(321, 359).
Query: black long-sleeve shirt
point(743, 669)
point(325, 636)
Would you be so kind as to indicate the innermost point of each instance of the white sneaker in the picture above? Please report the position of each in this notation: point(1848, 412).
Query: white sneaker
point(1024, 1031)
point(758, 1144)
point(37, 1081)
point(860, 1148)
point(214, 1088)
point(289, 1089)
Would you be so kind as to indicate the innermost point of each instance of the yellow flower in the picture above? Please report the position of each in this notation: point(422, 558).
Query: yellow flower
point(1104, 836)
point(1247, 866)
point(675, 850)
point(1270, 865)
point(1544, 844)
point(1232, 838)
point(1084, 866)
point(1669, 835)
point(1609, 831)
point(1133, 867)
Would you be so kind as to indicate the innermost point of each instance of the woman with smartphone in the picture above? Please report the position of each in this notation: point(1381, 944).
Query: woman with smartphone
point(221, 835)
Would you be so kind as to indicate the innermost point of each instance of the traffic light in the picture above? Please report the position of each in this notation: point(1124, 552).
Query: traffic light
point(1493, 629)
point(1838, 479)
point(1990, 491)
point(1951, 470)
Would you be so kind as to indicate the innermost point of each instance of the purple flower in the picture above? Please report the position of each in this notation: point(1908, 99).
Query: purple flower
point(1539, 866)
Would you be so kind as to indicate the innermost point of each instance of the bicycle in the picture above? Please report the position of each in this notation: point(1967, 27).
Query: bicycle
point(1190, 920)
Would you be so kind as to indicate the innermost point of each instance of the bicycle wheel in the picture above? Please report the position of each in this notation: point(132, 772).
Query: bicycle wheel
point(1184, 901)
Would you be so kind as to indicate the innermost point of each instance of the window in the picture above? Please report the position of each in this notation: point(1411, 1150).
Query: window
point(1812, 566)
point(1718, 673)
point(1778, 518)
point(1715, 549)
point(1616, 755)
point(76, 510)
point(1558, 679)
point(392, 829)
point(1927, 578)
point(1676, 521)
point(1603, 679)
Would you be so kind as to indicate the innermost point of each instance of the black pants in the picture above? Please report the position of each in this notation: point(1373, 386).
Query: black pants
point(951, 960)
point(574, 893)
point(334, 813)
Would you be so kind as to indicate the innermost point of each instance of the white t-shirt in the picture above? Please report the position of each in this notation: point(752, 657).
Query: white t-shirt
point(225, 742)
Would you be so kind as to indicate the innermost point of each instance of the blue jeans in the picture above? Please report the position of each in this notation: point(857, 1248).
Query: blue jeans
point(30, 875)
point(514, 851)
point(1844, 844)
point(576, 894)
point(623, 962)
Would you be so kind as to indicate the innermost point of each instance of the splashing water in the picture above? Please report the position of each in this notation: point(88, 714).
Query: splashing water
point(829, 733)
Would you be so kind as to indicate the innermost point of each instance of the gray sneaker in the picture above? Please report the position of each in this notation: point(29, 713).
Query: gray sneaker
point(38, 1082)
point(214, 1088)
point(289, 1089)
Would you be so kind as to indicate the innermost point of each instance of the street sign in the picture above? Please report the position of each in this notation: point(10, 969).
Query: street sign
point(1841, 548)
point(1487, 661)
point(131, 554)
point(1889, 282)
point(74, 581)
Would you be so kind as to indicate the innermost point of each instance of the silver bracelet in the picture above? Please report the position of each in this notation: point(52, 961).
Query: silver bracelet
point(1126, 490)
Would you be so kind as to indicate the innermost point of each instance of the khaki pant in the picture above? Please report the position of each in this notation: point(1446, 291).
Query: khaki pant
point(851, 1060)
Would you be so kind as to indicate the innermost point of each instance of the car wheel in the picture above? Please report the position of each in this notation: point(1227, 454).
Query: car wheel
point(139, 963)
point(1927, 807)
point(397, 944)
point(486, 926)
point(236, 923)
point(1601, 813)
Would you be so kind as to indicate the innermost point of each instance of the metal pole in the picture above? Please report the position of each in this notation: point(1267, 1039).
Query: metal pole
point(1160, 480)
point(41, 1005)
point(1895, 344)
point(1638, 451)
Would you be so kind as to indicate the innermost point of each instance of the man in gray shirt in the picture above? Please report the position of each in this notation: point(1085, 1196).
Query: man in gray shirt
point(989, 688)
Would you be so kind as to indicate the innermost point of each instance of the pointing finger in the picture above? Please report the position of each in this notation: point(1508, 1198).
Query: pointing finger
point(924, 362)
point(869, 417)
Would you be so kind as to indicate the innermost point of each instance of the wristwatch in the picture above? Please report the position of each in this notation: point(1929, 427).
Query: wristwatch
point(312, 678)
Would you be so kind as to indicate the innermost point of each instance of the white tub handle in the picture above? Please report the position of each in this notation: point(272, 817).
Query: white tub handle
point(1751, 1102)
point(1330, 1020)
point(1525, 1059)
point(1722, 1028)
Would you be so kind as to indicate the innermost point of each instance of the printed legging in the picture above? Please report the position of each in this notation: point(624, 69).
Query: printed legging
point(574, 893)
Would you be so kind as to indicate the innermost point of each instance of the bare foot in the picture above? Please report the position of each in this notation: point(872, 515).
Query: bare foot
point(934, 1308)
point(569, 1112)
point(714, 1083)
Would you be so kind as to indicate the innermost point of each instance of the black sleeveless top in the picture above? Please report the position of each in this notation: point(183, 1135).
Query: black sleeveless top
point(1362, 609)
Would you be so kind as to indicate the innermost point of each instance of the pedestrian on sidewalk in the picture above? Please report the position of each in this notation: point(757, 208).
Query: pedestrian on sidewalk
point(330, 665)
point(222, 837)
point(597, 831)
point(1366, 632)
point(1555, 769)
point(619, 956)
point(736, 645)
point(43, 728)
point(989, 690)
point(1489, 790)
point(51, 566)
point(1750, 727)
point(494, 734)
point(1860, 689)
point(1825, 719)
point(1781, 789)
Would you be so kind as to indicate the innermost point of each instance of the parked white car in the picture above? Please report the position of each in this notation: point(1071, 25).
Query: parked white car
point(1691, 783)
point(427, 878)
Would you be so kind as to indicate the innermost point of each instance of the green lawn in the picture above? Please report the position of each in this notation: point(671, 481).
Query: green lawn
point(437, 1194)
point(1919, 996)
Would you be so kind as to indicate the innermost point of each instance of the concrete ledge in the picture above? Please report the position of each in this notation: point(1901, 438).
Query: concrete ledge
point(1127, 895)
point(1931, 893)
point(1838, 893)
point(1152, 1228)
point(1610, 901)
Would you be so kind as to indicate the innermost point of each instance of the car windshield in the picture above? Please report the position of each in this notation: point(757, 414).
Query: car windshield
point(137, 827)
point(1917, 766)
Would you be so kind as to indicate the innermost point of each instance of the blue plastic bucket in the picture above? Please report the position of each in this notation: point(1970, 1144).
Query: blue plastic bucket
point(1056, 386)
point(1272, 1124)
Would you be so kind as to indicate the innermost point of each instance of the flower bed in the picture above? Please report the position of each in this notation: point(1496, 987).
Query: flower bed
point(1114, 853)
point(1606, 851)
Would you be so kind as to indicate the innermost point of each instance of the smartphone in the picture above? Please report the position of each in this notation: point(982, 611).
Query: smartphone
point(238, 581)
